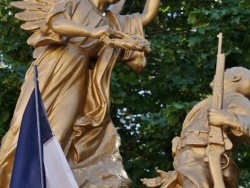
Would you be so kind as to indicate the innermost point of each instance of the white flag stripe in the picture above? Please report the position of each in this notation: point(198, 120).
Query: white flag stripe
point(58, 172)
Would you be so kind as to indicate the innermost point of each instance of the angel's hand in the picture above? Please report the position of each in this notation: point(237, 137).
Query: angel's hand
point(128, 42)
point(156, 182)
point(102, 32)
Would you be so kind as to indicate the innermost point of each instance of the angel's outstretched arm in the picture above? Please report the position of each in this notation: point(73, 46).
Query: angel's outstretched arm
point(64, 27)
point(150, 11)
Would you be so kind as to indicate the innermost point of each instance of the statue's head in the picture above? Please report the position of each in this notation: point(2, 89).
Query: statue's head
point(237, 79)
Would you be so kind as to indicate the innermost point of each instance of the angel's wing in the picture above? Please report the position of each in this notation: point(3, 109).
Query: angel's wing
point(34, 14)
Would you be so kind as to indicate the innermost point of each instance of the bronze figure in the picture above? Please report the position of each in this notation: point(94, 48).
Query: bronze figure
point(191, 169)
point(77, 43)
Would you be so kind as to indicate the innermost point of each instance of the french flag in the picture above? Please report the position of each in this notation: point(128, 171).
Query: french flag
point(39, 160)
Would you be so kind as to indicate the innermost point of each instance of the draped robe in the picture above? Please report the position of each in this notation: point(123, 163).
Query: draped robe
point(74, 78)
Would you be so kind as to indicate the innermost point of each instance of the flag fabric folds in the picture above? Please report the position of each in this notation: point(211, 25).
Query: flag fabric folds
point(39, 160)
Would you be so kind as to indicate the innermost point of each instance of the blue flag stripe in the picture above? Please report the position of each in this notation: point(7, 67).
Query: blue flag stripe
point(26, 169)
point(39, 160)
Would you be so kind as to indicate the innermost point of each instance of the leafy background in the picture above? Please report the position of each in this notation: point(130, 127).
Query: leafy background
point(148, 109)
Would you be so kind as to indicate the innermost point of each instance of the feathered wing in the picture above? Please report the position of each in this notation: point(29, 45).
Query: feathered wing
point(34, 14)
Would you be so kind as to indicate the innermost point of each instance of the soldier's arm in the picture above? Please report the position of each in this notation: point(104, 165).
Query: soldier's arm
point(238, 119)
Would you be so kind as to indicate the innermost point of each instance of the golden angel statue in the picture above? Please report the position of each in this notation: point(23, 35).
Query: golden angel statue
point(191, 170)
point(77, 43)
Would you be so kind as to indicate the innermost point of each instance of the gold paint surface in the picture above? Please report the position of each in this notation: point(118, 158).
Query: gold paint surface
point(191, 168)
point(77, 43)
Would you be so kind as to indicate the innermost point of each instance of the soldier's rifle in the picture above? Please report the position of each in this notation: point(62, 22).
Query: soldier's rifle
point(216, 144)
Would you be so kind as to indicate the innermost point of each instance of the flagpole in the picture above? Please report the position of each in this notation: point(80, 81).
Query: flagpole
point(38, 127)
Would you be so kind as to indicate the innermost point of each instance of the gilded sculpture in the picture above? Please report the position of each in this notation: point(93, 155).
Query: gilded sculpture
point(77, 43)
point(212, 130)
point(191, 167)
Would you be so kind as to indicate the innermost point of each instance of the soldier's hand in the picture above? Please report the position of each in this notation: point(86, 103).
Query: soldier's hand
point(156, 182)
point(175, 142)
point(220, 117)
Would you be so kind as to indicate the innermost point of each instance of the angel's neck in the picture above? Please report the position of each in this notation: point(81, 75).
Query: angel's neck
point(99, 4)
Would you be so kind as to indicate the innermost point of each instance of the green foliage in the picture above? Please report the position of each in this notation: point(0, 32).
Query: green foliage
point(180, 67)
point(15, 56)
point(148, 109)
